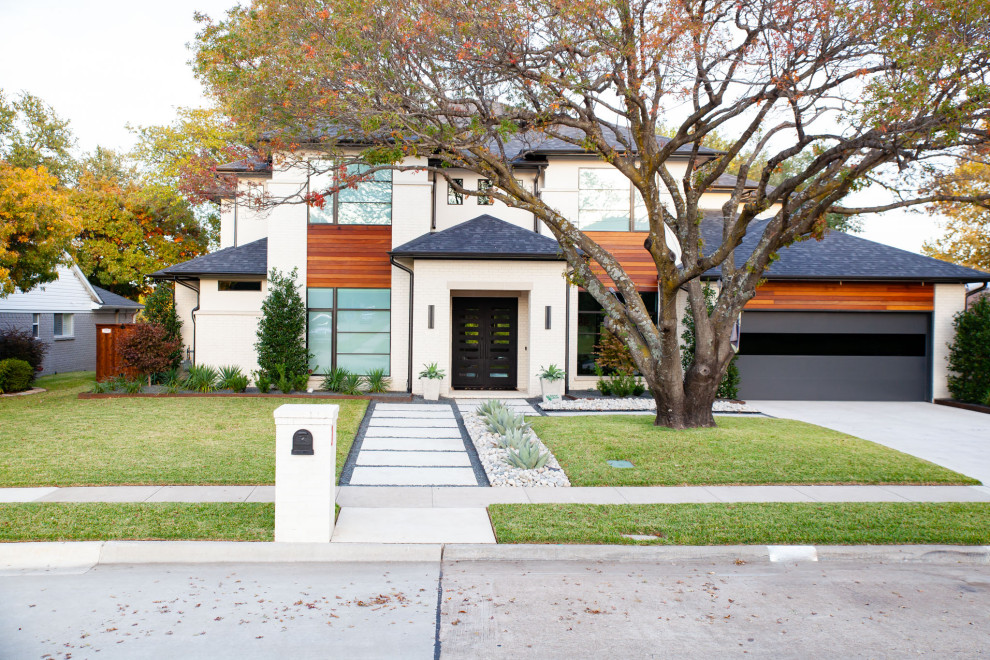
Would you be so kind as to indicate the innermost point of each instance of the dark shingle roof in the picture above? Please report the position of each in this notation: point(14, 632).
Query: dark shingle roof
point(537, 143)
point(247, 259)
point(254, 165)
point(484, 237)
point(112, 300)
point(840, 256)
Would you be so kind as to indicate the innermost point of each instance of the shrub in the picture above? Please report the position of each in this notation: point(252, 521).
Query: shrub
point(159, 307)
point(729, 387)
point(202, 378)
point(132, 386)
point(232, 378)
point(15, 375)
point(377, 381)
point(262, 381)
point(618, 384)
point(969, 354)
point(612, 355)
point(147, 349)
point(282, 329)
point(283, 382)
point(351, 384)
point(21, 345)
point(333, 379)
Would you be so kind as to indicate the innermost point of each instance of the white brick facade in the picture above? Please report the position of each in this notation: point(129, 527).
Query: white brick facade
point(950, 299)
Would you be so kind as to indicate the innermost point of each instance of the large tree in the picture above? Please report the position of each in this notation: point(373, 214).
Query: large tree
point(868, 88)
point(33, 135)
point(966, 238)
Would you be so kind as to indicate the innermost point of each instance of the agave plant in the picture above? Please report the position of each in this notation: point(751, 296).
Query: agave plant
point(231, 378)
point(528, 456)
point(505, 420)
point(202, 378)
point(490, 407)
point(513, 438)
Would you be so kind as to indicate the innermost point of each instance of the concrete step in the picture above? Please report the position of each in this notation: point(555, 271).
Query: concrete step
point(409, 432)
point(413, 476)
point(418, 422)
point(415, 458)
point(419, 525)
point(413, 407)
point(413, 444)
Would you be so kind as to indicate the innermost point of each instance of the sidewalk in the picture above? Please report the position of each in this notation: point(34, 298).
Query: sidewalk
point(480, 497)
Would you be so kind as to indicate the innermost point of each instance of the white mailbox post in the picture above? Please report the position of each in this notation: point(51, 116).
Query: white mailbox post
point(305, 472)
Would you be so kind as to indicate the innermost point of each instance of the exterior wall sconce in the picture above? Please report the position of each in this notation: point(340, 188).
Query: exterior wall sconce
point(548, 308)
point(429, 317)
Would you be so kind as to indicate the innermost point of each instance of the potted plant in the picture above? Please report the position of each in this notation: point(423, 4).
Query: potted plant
point(431, 375)
point(551, 383)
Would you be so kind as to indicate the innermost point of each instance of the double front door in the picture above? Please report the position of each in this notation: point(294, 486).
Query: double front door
point(485, 343)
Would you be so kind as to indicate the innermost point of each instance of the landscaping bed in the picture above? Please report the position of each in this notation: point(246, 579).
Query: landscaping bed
point(741, 450)
point(214, 521)
point(502, 474)
point(873, 523)
point(975, 407)
point(54, 439)
point(617, 404)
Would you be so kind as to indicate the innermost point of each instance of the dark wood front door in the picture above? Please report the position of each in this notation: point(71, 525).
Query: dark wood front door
point(484, 335)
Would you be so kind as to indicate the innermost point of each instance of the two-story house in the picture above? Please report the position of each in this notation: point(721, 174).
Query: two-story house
point(402, 271)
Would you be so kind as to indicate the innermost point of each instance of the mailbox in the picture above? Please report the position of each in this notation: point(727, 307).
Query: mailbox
point(302, 443)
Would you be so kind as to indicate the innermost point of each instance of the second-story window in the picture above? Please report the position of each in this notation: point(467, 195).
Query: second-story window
point(484, 187)
point(455, 198)
point(366, 203)
point(608, 202)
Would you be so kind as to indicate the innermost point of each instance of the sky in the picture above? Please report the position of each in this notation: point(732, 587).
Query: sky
point(104, 64)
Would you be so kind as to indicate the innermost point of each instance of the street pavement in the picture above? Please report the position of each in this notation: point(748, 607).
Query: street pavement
point(714, 604)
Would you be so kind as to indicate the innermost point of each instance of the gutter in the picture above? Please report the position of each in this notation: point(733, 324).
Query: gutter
point(192, 312)
point(412, 290)
point(970, 294)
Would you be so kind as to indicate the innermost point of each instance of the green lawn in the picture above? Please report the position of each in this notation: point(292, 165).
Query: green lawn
point(749, 523)
point(213, 521)
point(55, 439)
point(742, 450)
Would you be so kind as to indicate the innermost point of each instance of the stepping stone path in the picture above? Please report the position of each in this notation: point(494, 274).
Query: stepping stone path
point(413, 444)
point(518, 406)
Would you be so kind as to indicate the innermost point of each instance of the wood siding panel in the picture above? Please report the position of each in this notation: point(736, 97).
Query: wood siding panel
point(627, 247)
point(349, 256)
point(850, 296)
point(109, 364)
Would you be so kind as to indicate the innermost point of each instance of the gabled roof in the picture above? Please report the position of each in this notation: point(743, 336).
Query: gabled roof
point(113, 301)
point(840, 256)
point(247, 259)
point(484, 237)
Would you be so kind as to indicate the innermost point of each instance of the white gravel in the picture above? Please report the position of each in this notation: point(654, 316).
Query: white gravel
point(501, 473)
point(639, 403)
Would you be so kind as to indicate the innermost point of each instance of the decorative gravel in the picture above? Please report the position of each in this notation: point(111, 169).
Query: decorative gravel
point(501, 473)
point(641, 403)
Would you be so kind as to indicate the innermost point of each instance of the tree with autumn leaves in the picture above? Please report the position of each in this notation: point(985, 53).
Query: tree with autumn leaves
point(117, 222)
point(851, 91)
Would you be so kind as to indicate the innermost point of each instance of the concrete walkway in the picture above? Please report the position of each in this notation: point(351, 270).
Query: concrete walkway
point(954, 438)
point(413, 497)
point(518, 406)
point(410, 444)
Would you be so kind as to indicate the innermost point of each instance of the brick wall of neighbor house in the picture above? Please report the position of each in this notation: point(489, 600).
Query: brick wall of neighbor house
point(950, 299)
point(536, 284)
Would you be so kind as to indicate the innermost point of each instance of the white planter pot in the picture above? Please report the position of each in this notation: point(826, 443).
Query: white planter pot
point(552, 390)
point(431, 388)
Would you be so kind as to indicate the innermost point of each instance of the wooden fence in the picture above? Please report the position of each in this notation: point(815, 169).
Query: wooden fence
point(108, 362)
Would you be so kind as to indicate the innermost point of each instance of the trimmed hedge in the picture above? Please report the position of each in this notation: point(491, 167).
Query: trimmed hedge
point(969, 354)
point(15, 375)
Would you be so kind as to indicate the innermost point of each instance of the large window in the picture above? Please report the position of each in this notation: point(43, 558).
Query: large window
point(63, 326)
point(608, 202)
point(349, 328)
point(367, 203)
point(591, 323)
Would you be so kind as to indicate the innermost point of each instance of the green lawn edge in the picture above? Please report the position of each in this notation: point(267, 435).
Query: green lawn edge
point(55, 439)
point(740, 451)
point(858, 523)
point(208, 521)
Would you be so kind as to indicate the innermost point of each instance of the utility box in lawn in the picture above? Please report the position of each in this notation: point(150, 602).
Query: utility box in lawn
point(305, 472)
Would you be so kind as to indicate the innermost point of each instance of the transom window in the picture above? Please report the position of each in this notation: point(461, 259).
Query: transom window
point(349, 329)
point(607, 201)
point(238, 285)
point(367, 203)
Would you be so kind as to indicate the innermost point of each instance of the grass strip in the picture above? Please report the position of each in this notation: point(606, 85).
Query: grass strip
point(55, 439)
point(874, 523)
point(214, 521)
point(741, 450)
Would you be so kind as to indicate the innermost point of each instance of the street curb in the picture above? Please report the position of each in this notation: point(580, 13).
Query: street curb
point(87, 554)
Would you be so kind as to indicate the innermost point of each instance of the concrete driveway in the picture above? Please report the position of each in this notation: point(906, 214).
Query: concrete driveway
point(954, 438)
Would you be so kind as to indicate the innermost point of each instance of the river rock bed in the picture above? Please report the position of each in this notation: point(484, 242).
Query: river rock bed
point(501, 473)
point(639, 403)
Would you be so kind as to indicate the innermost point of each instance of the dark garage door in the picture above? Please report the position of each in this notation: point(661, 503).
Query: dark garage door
point(835, 356)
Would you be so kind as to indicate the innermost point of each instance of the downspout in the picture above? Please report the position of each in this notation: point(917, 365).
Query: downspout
point(412, 289)
point(567, 336)
point(192, 313)
point(433, 208)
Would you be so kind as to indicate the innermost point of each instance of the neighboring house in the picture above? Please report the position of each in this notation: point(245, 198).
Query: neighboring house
point(403, 271)
point(64, 314)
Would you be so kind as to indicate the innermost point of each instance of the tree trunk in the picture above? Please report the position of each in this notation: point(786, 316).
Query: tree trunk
point(687, 411)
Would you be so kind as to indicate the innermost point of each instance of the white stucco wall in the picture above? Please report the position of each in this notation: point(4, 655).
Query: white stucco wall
point(449, 215)
point(227, 325)
point(535, 283)
point(950, 299)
